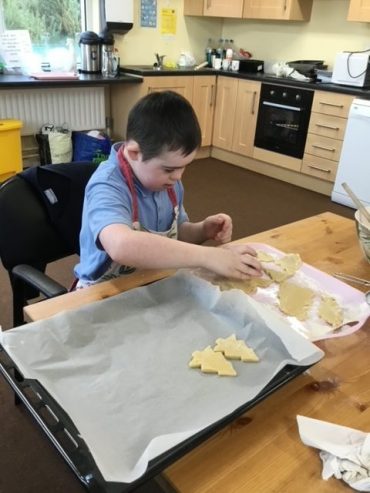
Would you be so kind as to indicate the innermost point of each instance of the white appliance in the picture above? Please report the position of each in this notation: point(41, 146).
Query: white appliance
point(119, 15)
point(354, 163)
point(351, 69)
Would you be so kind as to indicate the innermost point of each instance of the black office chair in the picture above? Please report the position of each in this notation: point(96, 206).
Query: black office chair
point(40, 221)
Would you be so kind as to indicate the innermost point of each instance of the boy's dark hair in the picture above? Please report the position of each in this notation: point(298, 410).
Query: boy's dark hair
point(161, 122)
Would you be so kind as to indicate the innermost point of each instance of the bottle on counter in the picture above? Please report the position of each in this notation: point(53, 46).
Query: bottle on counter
point(208, 52)
point(225, 48)
point(220, 49)
point(236, 54)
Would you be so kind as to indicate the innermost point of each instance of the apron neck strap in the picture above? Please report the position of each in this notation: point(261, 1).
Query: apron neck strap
point(127, 173)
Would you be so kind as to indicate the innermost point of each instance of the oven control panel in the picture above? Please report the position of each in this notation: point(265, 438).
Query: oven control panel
point(287, 95)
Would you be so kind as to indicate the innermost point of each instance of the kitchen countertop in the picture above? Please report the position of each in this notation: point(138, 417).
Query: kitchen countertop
point(133, 74)
point(149, 71)
point(25, 81)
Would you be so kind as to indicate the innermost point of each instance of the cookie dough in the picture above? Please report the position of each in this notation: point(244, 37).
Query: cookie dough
point(210, 362)
point(264, 256)
point(290, 263)
point(330, 311)
point(250, 286)
point(234, 348)
point(295, 300)
point(277, 275)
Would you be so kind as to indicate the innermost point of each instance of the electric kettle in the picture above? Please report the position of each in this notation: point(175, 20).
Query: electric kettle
point(90, 44)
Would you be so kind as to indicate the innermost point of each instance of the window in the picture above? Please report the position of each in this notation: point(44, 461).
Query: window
point(54, 27)
point(48, 21)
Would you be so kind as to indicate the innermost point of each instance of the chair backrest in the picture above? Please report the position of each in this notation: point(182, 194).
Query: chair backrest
point(40, 213)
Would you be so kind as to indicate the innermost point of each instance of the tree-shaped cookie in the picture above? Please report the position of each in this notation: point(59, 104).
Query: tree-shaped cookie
point(234, 348)
point(210, 362)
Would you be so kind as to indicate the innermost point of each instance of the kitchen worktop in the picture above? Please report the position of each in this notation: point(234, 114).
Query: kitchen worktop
point(149, 71)
point(11, 81)
point(135, 73)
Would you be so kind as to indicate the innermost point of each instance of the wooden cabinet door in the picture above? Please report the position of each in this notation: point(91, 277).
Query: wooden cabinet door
point(182, 84)
point(226, 100)
point(359, 10)
point(193, 7)
point(246, 117)
point(297, 10)
point(223, 8)
point(204, 97)
point(214, 8)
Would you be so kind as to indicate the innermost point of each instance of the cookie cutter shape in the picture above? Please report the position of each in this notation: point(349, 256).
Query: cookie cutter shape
point(234, 348)
point(211, 362)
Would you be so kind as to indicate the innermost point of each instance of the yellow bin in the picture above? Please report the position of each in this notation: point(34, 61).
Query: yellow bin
point(10, 148)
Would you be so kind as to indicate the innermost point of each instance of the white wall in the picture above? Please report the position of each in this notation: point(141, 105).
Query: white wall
point(327, 33)
point(139, 45)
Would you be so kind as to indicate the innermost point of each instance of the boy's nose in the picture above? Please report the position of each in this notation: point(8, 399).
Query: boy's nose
point(177, 174)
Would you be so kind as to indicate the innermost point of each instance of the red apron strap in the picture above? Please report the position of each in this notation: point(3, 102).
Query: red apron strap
point(172, 195)
point(127, 173)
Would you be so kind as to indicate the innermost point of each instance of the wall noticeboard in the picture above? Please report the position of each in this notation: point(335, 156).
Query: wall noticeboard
point(148, 16)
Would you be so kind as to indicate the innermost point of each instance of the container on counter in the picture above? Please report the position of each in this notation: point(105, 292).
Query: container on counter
point(91, 45)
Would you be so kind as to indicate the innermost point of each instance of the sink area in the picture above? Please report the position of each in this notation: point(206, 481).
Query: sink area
point(142, 69)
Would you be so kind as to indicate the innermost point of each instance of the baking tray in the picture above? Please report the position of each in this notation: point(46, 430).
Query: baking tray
point(62, 433)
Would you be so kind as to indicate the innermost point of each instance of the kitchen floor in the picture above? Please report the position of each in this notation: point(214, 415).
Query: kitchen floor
point(28, 463)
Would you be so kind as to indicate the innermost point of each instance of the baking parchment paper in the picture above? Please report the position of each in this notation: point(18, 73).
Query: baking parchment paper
point(119, 367)
point(352, 301)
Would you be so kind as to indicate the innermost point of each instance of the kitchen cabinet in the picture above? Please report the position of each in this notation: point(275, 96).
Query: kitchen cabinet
point(236, 115)
point(359, 10)
point(200, 93)
point(325, 134)
point(180, 84)
point(204, 98)
point(214, 8)
point(223, 127)
point(288, 10)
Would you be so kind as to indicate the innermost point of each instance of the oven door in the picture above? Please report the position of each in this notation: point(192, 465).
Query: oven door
point(282, 128)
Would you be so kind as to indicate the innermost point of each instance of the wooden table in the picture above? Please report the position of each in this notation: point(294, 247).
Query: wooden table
point(262, 451)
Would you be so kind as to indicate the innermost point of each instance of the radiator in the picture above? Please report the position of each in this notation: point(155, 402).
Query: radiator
point(81, 108)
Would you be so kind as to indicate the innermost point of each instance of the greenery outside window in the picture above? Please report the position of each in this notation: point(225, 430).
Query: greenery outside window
point(54, 27)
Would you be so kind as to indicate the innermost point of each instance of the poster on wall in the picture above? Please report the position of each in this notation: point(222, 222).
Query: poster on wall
point(148, 17)
point(168, 22)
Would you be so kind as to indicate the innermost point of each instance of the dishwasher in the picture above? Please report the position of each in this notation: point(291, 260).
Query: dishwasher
point(354, 163)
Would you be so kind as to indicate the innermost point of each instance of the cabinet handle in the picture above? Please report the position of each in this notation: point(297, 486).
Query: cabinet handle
point(331, 149)
point(327, 126)
point(254, 101)
point(285, 4)
point(332, 104)
point(319, 169)
point(212, 95)
point(209, 4)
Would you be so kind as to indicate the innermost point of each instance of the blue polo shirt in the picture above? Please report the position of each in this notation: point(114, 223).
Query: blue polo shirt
point(108, 201)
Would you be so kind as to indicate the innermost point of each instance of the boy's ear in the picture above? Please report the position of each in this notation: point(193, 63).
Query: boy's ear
point(133, 151)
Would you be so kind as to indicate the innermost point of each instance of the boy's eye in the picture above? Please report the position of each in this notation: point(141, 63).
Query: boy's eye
point(168, 170)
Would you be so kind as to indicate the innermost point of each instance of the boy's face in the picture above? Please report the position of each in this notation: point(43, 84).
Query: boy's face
point(161, 172)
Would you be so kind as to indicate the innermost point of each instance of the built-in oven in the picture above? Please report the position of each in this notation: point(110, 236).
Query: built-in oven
point(283, 118)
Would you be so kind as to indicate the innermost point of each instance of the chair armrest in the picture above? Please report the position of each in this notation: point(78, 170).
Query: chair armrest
point(37, 279)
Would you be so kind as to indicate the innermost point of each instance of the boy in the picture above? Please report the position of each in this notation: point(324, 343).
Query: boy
point(138, 192)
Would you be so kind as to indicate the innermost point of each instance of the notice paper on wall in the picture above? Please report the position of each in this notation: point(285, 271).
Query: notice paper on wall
point(168, 22)
point(15, 49)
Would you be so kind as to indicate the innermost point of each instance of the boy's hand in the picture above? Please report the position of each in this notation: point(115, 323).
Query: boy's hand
point(235, 261)
point(218, 227)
